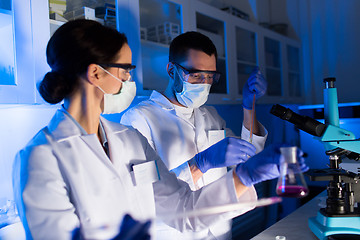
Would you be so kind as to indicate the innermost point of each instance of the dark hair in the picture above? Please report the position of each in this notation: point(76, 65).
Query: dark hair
point(180, 46)
point(71, 49)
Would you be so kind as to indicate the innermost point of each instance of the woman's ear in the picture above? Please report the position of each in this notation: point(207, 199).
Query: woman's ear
point(93, 73)
point(170, 69)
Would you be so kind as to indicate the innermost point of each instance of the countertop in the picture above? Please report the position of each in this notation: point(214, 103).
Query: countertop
point(295, 226)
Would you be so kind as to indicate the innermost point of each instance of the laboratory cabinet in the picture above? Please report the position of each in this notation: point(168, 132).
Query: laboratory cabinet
point(241, 46)
point(21, 51)
point(150, 25)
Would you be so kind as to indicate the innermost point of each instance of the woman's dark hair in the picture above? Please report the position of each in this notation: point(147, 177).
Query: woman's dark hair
point(180, 46)
point(72, 48)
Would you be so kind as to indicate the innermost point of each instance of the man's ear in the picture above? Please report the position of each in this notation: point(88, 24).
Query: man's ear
point(93, 73)
point(170, 68)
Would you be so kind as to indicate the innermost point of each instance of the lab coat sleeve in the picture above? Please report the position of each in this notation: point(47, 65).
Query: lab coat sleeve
point(258, 141)
point(184, 173)
point(174, 195)
point(136, 120)
point(41, 195)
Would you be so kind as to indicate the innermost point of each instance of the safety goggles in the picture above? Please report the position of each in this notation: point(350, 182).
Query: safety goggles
point(195, 76)
point(126, 68)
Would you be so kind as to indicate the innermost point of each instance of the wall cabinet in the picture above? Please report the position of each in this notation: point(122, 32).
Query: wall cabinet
point(16, 69)
point(160, 22)
point(150, 26)
point(241, 46)
point(7, 60)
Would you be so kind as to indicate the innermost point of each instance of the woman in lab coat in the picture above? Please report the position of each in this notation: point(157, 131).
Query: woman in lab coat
point(84, 171)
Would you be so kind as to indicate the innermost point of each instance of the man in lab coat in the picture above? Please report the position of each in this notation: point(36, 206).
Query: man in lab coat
point(178, 126)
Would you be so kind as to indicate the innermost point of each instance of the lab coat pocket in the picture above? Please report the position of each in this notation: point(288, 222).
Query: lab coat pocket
point(215, 136)
point(145, 173)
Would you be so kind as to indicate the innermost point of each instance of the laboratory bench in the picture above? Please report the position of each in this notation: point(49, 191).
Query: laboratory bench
point(295, 226)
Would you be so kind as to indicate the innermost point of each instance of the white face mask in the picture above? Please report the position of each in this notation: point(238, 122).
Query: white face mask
point(116, 103)
point(193, 95)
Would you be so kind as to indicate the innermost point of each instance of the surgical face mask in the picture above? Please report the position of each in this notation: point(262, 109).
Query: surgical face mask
point(193, 95)
point(116, 103)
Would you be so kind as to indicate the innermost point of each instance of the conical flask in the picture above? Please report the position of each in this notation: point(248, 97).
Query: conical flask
point(291, 182)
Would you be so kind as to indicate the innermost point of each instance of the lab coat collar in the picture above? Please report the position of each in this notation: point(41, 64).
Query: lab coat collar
point(200, 110)
point(82, 130)
point(112, 128)
point(161, 100)
point(102, 133)
point(62, 127)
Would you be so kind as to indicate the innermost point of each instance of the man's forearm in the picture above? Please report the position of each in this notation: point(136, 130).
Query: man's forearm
point(195, 171)
point(256, 129)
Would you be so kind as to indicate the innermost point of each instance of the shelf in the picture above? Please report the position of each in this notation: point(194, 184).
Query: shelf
point(154, 12)
point(54, 25)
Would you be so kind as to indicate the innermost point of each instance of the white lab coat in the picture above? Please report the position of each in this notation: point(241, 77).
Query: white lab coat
point(177, 140)
point(64, 179)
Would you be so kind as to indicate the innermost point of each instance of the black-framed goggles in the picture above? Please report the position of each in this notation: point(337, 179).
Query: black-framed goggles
point(126, 67)
point(196, 76)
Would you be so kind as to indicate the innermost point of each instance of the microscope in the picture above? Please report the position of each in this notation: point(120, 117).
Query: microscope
point(341, 217)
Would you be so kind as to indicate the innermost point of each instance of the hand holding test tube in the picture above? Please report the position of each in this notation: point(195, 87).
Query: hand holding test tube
point(254, 88)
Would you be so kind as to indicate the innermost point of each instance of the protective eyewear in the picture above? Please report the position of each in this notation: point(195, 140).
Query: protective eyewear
point(126, 67)
point(199, 76)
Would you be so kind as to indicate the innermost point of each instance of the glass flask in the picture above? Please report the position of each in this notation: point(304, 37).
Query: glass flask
point(291, 181)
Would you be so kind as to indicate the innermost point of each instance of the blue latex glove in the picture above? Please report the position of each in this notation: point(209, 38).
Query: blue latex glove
point(301, 161)
point(265, 165)
point(256, 84)
point(133, 230)
point(227, 152)
point(261, 167)
point(130, 230)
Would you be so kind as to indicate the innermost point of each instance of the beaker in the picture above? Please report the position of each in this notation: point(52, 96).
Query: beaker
point(291, 181)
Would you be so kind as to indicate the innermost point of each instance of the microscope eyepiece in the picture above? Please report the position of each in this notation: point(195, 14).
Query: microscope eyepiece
point(329, 82)
point(304, 123)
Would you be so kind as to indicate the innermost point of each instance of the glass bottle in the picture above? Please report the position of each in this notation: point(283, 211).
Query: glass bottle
point(291, 181)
